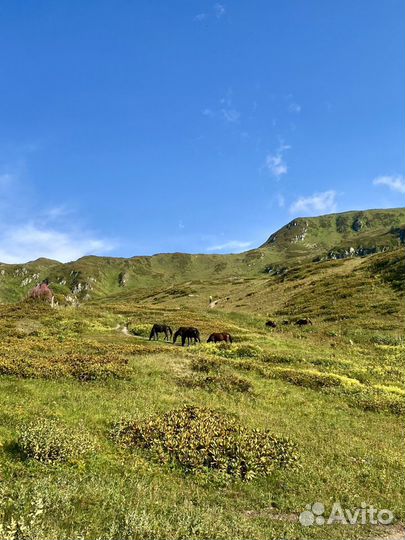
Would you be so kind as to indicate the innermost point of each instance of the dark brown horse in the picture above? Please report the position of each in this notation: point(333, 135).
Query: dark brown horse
point(160, 328)
point(217, 336)
point(303, 322)
point(189, 333)
point(271, 324)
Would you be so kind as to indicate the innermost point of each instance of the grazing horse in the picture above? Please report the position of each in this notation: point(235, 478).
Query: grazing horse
point(157, 329)
point(271, 324)
point(216, 336)
point(189, 333)
point(303, 322)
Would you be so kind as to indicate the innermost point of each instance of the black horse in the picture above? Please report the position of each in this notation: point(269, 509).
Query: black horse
point(159, 328)
point(303, 322)
point(189, 333)
point(271, 324)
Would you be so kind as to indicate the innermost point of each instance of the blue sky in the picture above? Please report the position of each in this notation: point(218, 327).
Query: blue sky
point(137, 127)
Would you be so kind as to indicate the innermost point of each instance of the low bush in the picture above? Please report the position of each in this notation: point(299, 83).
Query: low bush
point(384, 339)
point(369, 398)
point(204, 364)
point(280, 358)
point(90, 368)
point(80, 367)
point(309, 378)
point(23, 525)
point(49, 441)
point(51, 359)
point(376, 400)
point(142, 330)
point(201, 438)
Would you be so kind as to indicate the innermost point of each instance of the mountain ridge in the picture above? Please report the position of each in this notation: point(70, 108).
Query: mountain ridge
point(302, 241)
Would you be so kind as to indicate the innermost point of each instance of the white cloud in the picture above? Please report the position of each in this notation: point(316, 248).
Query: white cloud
point(233, 244)
point(317, 203)
point(294, 108)
point(275, 163)
point(280, 200)
point(31, 228)
point(394, 182)
point(46, 232)
point(28, 241)
point(226, 110)
point(208, 112)
point(231, 115)
point(219, 10)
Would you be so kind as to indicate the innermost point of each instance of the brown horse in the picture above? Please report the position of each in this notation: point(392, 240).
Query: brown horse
point(157, 329)
point(217, 336)
point(189, 333)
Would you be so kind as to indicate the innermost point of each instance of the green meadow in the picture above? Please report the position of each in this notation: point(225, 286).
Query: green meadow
point(90, 410)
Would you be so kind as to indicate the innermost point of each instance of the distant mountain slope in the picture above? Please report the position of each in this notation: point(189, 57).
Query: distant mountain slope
point(356, 229)
point(300, 243)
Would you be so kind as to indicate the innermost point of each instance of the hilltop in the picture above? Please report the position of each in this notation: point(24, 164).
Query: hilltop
point(365, 232)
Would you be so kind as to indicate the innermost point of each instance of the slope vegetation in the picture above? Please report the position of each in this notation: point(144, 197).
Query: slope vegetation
point(105, 434)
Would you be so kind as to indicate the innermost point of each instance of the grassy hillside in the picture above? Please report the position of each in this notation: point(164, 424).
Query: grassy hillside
point(334, 389)
point(356, 228)
point(335, 236)
point(89, 444)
